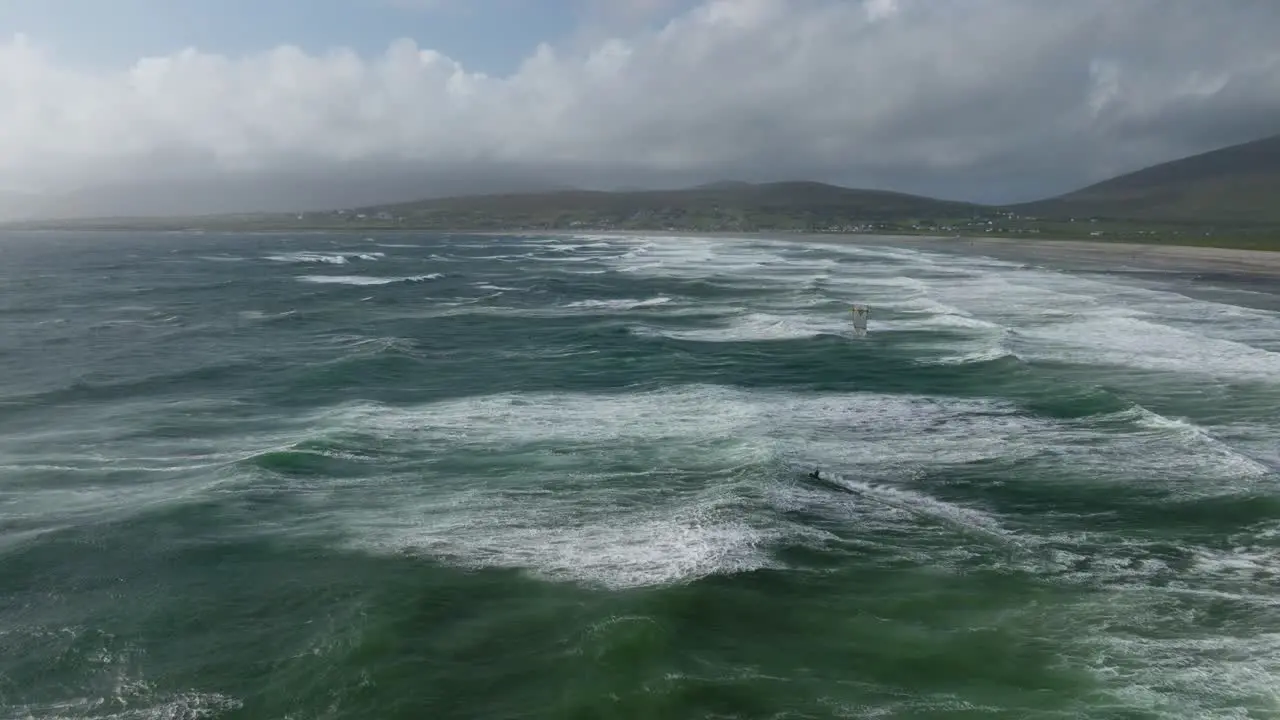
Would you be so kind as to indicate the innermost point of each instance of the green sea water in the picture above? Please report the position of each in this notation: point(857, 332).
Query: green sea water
point(452, 476)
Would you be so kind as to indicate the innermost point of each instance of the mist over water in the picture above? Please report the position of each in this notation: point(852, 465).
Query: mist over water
point(417, 475)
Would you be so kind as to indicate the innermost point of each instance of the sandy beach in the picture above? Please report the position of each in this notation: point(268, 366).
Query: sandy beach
point(1086, 255)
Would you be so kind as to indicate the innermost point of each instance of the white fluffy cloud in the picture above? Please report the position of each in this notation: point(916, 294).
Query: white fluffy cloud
point(967, 99)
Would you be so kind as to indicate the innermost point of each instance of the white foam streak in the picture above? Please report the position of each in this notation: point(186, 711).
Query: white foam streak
point(998, 352)
point(751, 327)
point(1180, 677)
point(877, 444)
point(1146, 344)
point(365, 280)
point(307, 256)
point(1008, 309)
point(592, 541)
point(175, 705)
point(575, 517)
point(921, 505)
point(619, 304)
point(1211, 449)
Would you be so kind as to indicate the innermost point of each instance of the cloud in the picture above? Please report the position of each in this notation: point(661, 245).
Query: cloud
point(973, 99)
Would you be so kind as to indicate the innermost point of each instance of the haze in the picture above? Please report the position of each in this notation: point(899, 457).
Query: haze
point(983, 100)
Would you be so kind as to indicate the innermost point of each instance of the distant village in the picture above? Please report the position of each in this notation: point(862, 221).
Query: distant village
point(678, 219)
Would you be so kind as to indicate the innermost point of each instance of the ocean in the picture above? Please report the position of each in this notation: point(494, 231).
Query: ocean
point(569, 476)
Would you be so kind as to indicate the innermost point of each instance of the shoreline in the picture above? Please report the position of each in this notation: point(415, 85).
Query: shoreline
point(1093, 256)
point(1081, 255)
point(1063, 253)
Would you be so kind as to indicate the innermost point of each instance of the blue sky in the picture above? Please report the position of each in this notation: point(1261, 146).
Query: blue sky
point(490, 36)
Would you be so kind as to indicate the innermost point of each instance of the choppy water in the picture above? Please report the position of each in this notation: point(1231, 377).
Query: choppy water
point(423, 476)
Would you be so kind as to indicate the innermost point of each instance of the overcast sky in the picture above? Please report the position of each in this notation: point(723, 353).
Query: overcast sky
point(211, 105)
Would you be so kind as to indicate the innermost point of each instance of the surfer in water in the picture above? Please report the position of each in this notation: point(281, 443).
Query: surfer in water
point(814, 474)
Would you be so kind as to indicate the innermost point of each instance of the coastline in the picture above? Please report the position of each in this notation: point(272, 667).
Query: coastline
point(1096, 256)
point(1083, 255)
point(1062, 253)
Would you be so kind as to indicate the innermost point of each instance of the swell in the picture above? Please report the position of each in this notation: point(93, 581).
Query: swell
point(629, 509)
point(180, 383)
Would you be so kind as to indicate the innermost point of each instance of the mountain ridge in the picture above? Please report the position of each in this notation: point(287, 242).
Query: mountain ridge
point(1236, 183)
point(1232, 185)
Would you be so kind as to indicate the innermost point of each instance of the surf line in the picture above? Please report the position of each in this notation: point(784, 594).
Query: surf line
point(873, 492)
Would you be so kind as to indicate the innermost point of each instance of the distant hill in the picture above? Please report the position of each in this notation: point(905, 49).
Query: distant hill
point(1231, 190)
point(723, 185)
point(1236, 184)
point(720, 205)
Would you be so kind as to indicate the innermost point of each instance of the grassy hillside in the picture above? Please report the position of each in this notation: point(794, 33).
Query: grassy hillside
point(741, 207)
point(1238, 184)
point(719, 206)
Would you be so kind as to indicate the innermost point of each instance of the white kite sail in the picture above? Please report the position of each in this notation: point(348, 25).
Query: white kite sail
point(860, 313)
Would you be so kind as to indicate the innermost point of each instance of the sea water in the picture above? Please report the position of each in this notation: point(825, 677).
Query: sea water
point(556, 476)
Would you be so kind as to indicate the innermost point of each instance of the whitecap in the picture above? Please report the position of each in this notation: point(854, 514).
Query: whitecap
point(365, 280)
